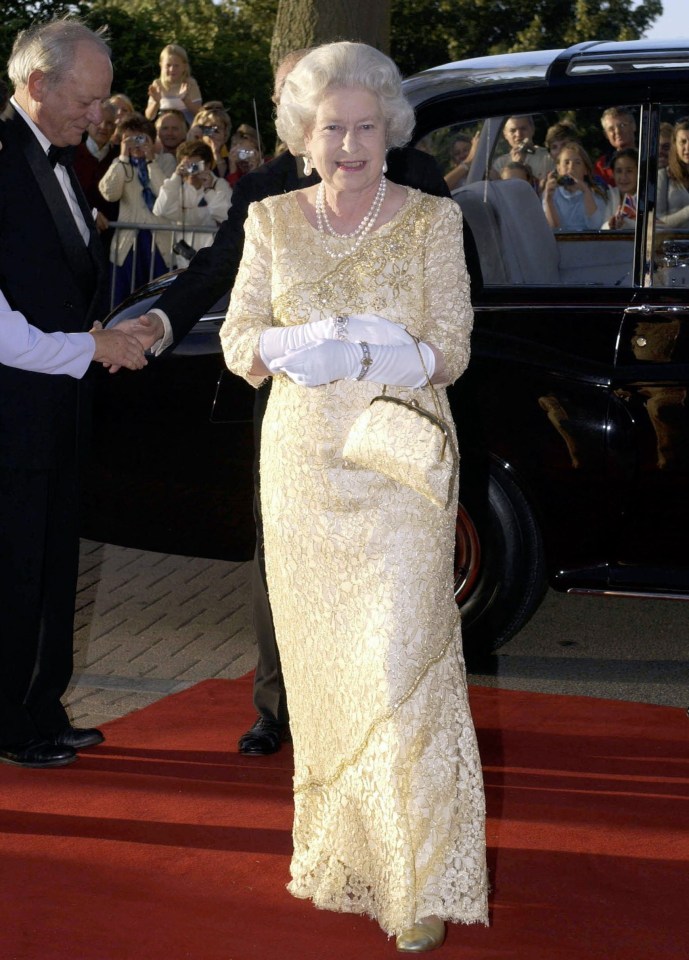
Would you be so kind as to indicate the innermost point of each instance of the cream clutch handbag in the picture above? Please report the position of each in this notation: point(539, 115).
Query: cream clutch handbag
point(407, 443)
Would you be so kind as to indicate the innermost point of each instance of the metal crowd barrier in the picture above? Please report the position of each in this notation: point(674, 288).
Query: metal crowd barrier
point(178, 233)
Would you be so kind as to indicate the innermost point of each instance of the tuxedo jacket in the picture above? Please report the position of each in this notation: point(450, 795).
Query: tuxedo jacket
point(213, 270)
point(58, 282)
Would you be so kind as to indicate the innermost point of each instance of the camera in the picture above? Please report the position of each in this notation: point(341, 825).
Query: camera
point(566, 181)
point(207, 131)
point(184, 249)
point(196, 166)
point(245, 154)
point(526, 147)
point(139, 139)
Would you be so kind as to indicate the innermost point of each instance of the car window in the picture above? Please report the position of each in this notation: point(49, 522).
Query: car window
point(671, 240)
point(519, 182)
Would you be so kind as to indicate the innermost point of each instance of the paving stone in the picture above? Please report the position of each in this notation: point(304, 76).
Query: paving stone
point(148, 624)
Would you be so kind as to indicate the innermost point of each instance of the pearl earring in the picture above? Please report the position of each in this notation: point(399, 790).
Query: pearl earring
point(385, 166)
point(308, 166)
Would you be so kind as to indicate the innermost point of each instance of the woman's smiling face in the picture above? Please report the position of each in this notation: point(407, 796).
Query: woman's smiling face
point(347, 141)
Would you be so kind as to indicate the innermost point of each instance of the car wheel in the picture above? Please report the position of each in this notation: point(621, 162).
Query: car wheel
point(499, 565)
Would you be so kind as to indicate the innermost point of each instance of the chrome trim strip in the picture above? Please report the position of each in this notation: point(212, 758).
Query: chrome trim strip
point(632, 594)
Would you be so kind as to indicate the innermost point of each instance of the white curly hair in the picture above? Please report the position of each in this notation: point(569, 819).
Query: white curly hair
point(342, 65)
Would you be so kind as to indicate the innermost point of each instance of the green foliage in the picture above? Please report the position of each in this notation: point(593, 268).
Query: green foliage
point(228, 42)
point(227, 46)
point(17, 15)
point(429, 32)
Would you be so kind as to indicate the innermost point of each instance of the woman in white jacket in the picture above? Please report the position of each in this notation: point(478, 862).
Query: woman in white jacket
point(193, 197)
point(135, 179)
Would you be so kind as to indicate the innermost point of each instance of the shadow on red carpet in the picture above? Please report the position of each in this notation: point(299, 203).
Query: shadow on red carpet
point(165, 844)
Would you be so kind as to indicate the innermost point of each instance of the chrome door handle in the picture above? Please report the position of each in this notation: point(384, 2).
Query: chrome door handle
point(648, 310)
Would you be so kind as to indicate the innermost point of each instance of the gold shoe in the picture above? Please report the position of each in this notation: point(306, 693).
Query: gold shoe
point(427, 934)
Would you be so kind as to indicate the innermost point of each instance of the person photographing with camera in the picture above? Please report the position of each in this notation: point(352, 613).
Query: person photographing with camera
point(245, 153)
point(134, 180)
point(571, 199)
point(213, 126)
point(519, 134)
point(193, 197)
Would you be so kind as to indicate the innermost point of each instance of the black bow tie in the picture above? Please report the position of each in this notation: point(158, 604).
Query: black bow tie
point(63, 155)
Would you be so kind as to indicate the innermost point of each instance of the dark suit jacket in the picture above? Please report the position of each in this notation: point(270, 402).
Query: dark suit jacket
point(56, 281)
point(213, 270)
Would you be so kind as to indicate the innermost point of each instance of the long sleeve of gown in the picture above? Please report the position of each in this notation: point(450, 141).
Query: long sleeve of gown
point(250, 311)
point(448, 313)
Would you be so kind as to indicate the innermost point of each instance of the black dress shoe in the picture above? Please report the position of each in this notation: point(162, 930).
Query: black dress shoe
point(263, 738)
point(37, 753)
point(77, 738)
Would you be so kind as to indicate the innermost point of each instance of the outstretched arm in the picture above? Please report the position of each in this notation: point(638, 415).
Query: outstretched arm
point(26, 347)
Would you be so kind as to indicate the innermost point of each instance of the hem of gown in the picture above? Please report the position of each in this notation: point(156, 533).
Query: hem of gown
point(320, 782)
point(482, 919)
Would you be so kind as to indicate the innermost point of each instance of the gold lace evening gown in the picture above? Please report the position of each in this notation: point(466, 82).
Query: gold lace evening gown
point(389, 808)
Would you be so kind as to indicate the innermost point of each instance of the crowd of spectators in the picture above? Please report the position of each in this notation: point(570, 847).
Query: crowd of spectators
point(578, 193)
point(173, 163)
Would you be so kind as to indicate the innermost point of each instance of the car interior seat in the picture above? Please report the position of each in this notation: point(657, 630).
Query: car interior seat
point(513, 237)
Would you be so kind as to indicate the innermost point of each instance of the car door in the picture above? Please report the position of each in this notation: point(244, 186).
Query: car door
point(652, 382)
point(538, 394)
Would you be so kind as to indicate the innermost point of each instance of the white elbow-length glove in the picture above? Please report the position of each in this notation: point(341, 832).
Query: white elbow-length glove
point(278, 341)
point(321, 362)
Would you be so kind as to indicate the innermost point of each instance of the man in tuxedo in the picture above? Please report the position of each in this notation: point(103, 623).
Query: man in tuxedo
point(209, 276)
point(53, 281)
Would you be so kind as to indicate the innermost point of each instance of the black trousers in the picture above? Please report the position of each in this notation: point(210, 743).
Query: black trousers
point(39, 563)
point(270, 699)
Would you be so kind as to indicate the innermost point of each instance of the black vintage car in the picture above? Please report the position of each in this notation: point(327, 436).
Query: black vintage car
point(572, 415)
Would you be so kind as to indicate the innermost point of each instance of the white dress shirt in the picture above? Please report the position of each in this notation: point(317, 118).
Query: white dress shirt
point(28, 348)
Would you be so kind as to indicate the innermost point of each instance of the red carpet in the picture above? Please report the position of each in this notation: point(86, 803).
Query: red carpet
point(165, 844)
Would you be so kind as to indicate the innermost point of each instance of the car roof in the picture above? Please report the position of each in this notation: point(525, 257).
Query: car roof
point(545, 68)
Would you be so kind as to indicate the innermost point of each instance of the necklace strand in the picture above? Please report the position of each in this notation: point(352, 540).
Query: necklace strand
point(326, 229)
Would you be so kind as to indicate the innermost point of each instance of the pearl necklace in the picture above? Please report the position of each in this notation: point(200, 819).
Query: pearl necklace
point(325, 228)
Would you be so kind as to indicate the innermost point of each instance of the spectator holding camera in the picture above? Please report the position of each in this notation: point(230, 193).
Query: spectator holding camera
point(214, 127)
point(175, 88)
point(519, 133)
point(134, 180)
point(571, 199)
point(245, 153)
point(193, 197)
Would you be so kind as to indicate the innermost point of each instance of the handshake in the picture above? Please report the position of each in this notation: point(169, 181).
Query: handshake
point(339, 348)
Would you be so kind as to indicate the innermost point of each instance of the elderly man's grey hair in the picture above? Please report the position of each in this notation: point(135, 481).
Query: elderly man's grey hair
point(50, 48)
point(336, 66)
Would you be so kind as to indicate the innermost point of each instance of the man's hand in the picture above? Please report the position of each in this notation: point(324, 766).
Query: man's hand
point(148, 329)
point(115, 349)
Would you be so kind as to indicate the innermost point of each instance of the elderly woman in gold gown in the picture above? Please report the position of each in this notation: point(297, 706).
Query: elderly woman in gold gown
point(389, 814)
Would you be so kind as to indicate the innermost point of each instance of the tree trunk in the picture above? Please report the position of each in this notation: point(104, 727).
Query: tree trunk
point(306, 23)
